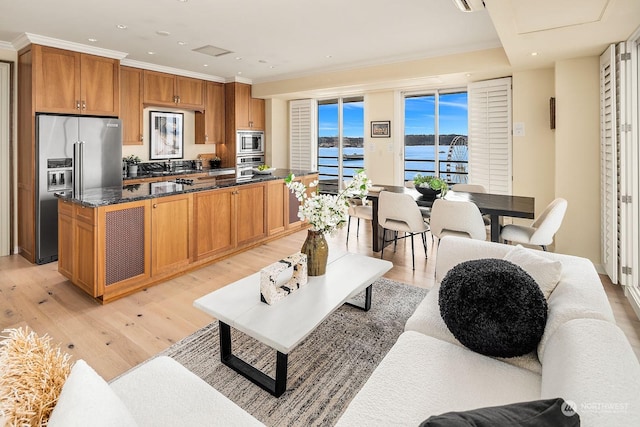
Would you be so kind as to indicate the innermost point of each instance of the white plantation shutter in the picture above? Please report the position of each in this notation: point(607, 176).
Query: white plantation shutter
point(609, 164)
point(302, 135)
point(490, 135)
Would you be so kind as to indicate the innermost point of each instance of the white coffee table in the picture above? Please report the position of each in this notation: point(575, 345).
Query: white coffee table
point(285, 324)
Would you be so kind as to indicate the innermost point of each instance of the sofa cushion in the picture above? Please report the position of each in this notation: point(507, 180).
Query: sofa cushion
point(87, 400)
point(590, 363)
point(537, 413)
point(493, 307)
point(427, 320)
point(162, 392)
point(544, 271)
point(423, 376)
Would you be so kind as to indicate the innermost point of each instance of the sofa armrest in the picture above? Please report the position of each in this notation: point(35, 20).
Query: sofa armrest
point(163, 392)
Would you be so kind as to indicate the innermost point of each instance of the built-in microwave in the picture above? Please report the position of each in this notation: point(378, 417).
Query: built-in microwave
point(249, 142)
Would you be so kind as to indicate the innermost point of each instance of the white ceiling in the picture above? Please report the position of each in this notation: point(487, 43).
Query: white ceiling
point(278, 39)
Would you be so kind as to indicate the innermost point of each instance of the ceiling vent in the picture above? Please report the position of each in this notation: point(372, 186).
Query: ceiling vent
point(469, 5)
point(212, 51)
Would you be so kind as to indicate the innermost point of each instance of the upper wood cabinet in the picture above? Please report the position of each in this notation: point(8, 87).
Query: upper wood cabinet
point(210, 123)
point(75, 83)
point(243, 112)
point(173, 91)
point(131, 108)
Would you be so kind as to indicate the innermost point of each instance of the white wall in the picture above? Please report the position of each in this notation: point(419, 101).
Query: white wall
point(534, 160)
point(577, 147)
point(7, 181)
point(381, 154)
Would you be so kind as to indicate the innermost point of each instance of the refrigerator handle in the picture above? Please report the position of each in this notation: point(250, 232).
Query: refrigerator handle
point(78, 156)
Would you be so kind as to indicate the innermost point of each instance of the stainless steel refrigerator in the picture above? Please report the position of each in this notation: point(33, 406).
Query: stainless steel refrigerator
point(73, 154)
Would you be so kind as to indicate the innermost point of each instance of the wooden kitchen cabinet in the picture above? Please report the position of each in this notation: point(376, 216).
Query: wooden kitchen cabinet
point(277, 207)
point(243, 112)
point(209, 125)
point(215, 222)
point(173, 91)
point(75, 83)
point(131, 106)
point(251, 213)
point(171, 231)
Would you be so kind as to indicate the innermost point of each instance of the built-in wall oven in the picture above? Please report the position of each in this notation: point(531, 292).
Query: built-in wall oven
point(249, 143)
point(246, 164)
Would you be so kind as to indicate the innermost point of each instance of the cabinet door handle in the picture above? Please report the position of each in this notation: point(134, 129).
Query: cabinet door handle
point(178, 98)
point(84, 105)
point(141, 139)
point(77, 105)
point(155, 205)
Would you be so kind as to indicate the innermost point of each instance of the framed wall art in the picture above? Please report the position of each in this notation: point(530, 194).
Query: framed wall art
point(167, 137)
point(381, 129)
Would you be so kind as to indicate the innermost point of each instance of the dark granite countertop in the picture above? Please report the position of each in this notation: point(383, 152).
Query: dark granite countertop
point(105, 196)
point(159, 174)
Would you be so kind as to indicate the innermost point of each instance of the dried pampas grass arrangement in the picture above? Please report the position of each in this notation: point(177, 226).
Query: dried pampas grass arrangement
point(31, 377)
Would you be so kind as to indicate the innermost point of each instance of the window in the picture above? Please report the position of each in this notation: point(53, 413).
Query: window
point(340, 138)
point(435, 135)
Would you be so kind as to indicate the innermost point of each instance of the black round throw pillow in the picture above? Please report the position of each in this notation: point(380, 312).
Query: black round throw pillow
point(493, 307)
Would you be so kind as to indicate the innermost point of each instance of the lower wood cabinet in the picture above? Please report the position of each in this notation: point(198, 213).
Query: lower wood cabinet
point(171, 231)
point(111, 251)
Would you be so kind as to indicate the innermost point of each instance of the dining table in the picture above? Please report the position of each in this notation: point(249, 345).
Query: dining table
point(496, 206)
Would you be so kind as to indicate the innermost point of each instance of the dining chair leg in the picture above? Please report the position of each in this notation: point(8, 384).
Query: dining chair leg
point(358, 229)
point(348, 227)
point(424, 243)
point(413, 258)
point(395, 241)
point(544, 248)
point(383, 242)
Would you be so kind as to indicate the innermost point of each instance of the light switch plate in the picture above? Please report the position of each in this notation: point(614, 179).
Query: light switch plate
point(518, 129)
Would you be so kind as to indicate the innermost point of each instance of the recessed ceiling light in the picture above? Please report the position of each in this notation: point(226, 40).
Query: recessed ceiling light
point(121, 27)
point(468, 74)
point(162, 33)
point(181, 43)
point(238, 58)
point(329, 56)
point(205, 65)
point(151, 53)
point(92, 40)
point(239, 72)
point(534, 53)
point(272, 66)
point(183, 1)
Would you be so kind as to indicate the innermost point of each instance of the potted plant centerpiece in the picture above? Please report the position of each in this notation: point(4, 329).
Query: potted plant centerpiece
point(430, 186)
point(132, 164)
point(325, 213)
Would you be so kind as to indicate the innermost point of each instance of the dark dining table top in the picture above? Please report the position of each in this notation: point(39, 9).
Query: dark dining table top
point(491, 204)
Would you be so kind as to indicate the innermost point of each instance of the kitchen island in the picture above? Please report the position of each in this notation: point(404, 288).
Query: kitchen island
point(117, 240)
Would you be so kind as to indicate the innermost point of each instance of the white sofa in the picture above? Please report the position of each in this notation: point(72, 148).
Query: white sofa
point(583, 357)
point(160, 392)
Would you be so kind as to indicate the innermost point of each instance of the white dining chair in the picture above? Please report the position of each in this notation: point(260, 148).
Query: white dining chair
point(469, 188)
point(542, 230)
point(473, 188)
point(399, 212)
point(360, 211)
point(457, 218)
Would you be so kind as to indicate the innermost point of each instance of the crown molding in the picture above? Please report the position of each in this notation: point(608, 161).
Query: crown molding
point(7, 46)
point(27, 38)
point(238, 79)
point(170, 70)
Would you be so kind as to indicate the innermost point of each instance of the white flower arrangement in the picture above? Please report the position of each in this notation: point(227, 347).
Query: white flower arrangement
point(327, 212)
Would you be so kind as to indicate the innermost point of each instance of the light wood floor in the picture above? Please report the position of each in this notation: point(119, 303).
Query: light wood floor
point(115, 337)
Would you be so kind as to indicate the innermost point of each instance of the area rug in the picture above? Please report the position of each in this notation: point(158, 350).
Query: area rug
point(325, 371)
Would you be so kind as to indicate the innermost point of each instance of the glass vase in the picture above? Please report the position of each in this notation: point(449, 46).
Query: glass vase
point(317, 251)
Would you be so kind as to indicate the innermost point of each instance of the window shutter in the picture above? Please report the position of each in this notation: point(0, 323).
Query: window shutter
point(609, 163)
point(490, 159)
point(302, 135)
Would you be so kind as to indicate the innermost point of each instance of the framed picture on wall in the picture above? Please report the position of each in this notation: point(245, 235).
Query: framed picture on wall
point(381, 129)
point(167, 137)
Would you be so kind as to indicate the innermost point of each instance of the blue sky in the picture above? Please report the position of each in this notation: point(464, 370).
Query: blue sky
point(419, 116)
